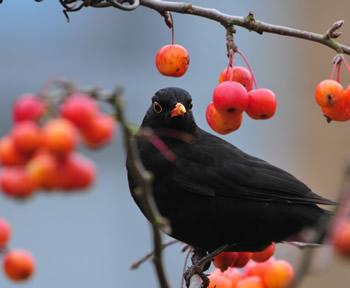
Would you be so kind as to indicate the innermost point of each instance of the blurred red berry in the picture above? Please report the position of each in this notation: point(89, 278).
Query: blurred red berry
point(265, 254)
point(18, 265)
point(250, 282)
point(278, 274)
point(26, 137)
point(217, 279)
point(5, 232)
point(341, 238)
point(28, 107)
point(262, 104)
point(100, 132)
point(16, 182)
point(60, 136)
point(80, 109)
point(9, 155)
point(229, 97)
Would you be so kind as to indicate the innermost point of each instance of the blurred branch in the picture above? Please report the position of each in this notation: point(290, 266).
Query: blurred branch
point(144, 190)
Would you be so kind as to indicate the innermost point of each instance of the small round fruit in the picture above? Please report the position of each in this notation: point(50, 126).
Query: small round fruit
point(262, 104)
point(172, 60)
point(80, 109)
point(100, 131)
point(239, 74)
point(264, 255)
point(76, 172)
point(42, 169)
point(230, 97)
point(26, 137)
point(28, 108)
point(278, 274)
point(250, 282)
point(340, 111)
point(242, 259)
point(224, 260)
point(218, 280)
point(223, 123)
point(16, 182)
point(18, 265)
point(328, 92)
point(60, 136)
point(5, 233)
point(9, 155)
point(341, 238)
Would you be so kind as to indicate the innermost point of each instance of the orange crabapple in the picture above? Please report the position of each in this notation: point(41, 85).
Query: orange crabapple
point(28, 107)
point(223, 123)
point(278, 274)
point(5, 232)
point(328, 92)
point(250, 282)
point(9, 155)
point(60, 136)
point(217, 279)
point(261, 104)
point(340, 111)
point(239, 74)
point(172, 60)
point(18, 265)
point(230, 96)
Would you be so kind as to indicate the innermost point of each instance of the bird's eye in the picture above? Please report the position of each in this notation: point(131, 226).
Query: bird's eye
point(157, 107)
point(190, 105)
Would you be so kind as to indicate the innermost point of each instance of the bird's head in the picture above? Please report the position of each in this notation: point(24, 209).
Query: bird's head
point(171, 109)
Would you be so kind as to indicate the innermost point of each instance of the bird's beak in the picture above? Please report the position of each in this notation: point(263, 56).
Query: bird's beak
point(179, 110)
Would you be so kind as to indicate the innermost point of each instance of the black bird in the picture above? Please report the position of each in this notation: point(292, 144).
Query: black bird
point(213, 193)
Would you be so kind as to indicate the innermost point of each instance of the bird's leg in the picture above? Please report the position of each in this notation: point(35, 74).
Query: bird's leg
point(201, 262)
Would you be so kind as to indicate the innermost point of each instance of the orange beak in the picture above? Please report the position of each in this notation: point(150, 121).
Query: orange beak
point(179, 110)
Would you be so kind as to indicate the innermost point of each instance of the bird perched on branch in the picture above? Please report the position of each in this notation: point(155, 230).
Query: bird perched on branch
point(214, 194)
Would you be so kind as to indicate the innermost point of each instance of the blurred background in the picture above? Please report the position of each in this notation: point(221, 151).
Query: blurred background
point(90, 239)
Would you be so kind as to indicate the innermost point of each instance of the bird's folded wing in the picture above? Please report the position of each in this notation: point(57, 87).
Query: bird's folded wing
point(220, 169)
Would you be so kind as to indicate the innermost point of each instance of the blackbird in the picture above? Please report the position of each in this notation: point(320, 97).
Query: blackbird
point(214, 194)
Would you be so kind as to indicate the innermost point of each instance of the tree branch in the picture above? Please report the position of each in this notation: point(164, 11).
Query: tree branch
point(249, 22)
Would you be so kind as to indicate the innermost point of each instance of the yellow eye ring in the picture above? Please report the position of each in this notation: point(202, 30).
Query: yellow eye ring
point(157, 107)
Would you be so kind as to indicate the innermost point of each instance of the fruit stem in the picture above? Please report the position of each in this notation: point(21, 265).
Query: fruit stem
point(172, 30)
point(230, 65)
point(338, 71)
point(249, 67)
point(346, 65)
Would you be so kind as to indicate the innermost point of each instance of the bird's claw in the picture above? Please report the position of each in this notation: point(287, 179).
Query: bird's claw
point(196, 270)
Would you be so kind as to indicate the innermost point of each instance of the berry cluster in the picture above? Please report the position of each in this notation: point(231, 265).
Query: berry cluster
point(235, 94)
point(18, 264)
point(41, 155)
point(331, 96)
point(260, 270)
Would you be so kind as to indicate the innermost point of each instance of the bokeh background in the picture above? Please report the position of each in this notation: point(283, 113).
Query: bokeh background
point(90, 239)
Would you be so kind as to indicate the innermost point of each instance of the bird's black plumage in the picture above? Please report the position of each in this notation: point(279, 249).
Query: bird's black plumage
point(215, 194)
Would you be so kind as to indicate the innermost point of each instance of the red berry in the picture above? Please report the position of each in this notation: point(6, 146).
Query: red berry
point(278, 274)
point(239, 74)
point(217, 279)
point(9, 155)
point(26, 137)
point(18, 265)
point(242, 259)
point(230, 97)
point(262, 104)
point(100, 132)
point(339, 110)
point(172, 60)
point(250, 282)
point(341, 238)
point(80, 109)
point(328, 92)
point(223, 123)
point(76, 172)
point(224, 260)
point(28, 107)
point(265, 254)
point(5, 232)
point(60, 136)
point(16, 182)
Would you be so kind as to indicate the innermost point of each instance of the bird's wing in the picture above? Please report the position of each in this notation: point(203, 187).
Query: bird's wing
point(214, 167)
